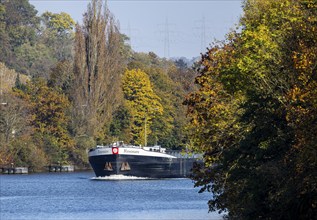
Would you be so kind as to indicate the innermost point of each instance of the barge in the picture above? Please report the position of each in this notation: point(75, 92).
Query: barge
point(129, 160)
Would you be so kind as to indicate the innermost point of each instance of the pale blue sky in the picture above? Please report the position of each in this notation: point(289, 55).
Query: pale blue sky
point(169, 28)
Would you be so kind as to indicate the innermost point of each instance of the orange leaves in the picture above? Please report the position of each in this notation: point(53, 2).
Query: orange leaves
point(48, 109)
point(295, 95)
point(255, 113)
point(304, 59)
point(212, 109)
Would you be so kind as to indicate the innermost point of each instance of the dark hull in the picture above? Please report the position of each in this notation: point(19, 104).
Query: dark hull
point(141, 166)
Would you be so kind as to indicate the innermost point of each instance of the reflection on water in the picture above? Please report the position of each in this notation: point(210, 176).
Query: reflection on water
point(78, 196)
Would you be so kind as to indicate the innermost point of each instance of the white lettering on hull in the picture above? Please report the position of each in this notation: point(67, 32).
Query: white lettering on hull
point(104, 151)
point(129, 151)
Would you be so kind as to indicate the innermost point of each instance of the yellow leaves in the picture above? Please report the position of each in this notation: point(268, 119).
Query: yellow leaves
point(135, 84)
point(259, 48)
point(301, 107)
point(142, 102)
point(310, 4)
point(294, 93)
point(48, 109)
point(304, 60)
point(62, 22)
point(273, 120)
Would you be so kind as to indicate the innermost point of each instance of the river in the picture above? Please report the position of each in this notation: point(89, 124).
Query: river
point(79, 195)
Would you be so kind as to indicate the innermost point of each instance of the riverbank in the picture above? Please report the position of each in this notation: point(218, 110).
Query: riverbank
point(50, 168)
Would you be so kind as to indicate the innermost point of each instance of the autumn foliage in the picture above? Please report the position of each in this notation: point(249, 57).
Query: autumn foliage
point(65, 87)
point(254, 115)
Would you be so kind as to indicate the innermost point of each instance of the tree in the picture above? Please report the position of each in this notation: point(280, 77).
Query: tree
point(19, 23)
point(35, 60)
point(48, 112)
point(30, 44)
point(142, 102)
point(22, 151)
point(57, 33)
point(8, 79)
point(120, 125)
point(97, 70)
point(61, 23)
point(62, 77)
point(13, 117)
point(5, 45)
point(254, 115)
point(169, 84)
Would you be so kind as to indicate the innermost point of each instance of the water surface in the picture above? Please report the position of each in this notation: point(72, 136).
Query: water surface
point(79, 195)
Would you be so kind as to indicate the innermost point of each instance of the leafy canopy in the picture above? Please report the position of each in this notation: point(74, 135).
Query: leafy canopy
point(142, 102)
point(254, 114)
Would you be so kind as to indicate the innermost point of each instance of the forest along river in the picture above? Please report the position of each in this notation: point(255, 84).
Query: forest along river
point(80, 195)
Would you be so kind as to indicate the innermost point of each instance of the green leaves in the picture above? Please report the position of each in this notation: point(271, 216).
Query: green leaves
point(254, 115)
point(48, 112)
point(61, 23)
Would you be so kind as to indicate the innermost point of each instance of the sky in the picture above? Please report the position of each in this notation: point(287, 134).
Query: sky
point(169, 28)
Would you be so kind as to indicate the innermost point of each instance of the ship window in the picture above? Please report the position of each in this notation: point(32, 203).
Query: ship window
point(125, 166)
point(108, 166)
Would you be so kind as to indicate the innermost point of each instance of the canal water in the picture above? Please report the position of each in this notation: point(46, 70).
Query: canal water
point(80, 195)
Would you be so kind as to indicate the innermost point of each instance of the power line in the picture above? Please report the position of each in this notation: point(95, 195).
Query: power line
point(167, 36)
point(130, 33)
point(201, 28)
